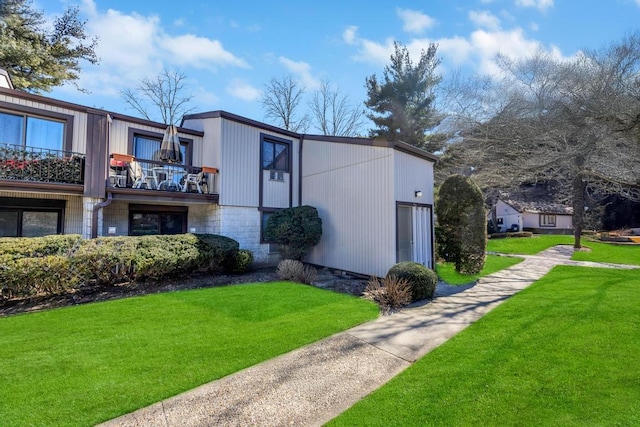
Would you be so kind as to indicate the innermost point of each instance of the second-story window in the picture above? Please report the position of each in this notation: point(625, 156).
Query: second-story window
point(275, 155)
point(148, 148)
point(30, 131)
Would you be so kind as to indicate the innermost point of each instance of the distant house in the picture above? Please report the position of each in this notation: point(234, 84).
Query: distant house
point(72, 169)
point(538, 217)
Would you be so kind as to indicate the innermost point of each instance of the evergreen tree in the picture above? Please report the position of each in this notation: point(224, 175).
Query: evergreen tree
point(38, 57)
point(402, 104)
point(461, 232)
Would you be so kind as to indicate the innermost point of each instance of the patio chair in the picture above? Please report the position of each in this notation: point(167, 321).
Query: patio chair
point(140, 178)
point(193, 179)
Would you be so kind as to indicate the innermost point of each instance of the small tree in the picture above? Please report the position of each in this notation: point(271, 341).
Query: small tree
point(281, 102)
point(461, 233)
point(334, 114)
point(164, 94)
point(297, 229)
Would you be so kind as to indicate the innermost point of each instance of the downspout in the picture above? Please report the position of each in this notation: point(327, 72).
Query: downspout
point(98, 206)
point(300, 170)
point(94, 217)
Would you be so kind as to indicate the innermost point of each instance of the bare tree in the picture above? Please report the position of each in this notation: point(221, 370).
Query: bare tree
point(334, 114)
point(574, 123)
point(161, 97)
point(281, 102)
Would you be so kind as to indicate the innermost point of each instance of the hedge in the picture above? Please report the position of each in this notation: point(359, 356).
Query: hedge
point(57, 264)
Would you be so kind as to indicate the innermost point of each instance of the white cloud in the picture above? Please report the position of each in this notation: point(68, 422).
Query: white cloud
point(199, 52)
point(133, 46)
point(243, 90)
point(302, 70)
point(203, 99)
point(638, 2)
point(484, 19)
point(541, 5)
point(350, 34)
point(415, 21)
point(478, 50)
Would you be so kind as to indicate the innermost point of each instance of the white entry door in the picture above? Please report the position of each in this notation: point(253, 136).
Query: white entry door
point(414, 240)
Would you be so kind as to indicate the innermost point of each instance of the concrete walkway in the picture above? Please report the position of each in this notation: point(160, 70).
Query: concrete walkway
point(311, 385)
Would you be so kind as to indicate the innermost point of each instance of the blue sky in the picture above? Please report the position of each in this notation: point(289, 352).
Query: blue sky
point(229, 50)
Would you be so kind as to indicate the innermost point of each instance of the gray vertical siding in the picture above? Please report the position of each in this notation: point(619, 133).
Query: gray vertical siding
point(412, 174)
point(275, 194)
point(352, 188)
point(240, 168)
point(239, 164)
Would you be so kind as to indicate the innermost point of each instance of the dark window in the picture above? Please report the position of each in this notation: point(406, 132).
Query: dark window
point(25, 130)
point(265, 218)
point(273, 247)
point(547, 220)
point(275, 155)
point(146, 220)
point(30, 217)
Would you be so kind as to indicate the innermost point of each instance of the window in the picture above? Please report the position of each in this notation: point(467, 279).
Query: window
point(30, 217)
point(25, 130)
point(148, 219)
point(148, 148)
point(547, 220)
point(275, 155)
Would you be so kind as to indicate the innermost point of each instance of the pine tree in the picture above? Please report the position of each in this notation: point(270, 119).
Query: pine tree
point(38, 57)
point(402, 104)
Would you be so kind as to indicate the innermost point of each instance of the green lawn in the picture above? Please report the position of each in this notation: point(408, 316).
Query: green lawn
point(89, 363)
point(493, 263)
point(599, 251)
point(527, 245)
point(607, 252)
point(565, 351)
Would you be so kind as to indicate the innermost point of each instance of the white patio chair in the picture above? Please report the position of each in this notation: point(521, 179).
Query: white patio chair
point(140, 177)
point(193, 179)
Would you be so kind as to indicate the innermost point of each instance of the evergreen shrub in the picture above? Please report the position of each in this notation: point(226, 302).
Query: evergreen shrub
point(421, 279)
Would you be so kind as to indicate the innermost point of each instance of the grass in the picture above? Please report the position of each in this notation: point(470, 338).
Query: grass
point(447, 272)
point(565, 351)
point(527, 245)
point(608, 252)
point(85, 364)
point(599, 251)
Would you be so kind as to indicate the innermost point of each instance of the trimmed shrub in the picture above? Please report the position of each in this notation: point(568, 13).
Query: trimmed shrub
point(390, 293)
point(461, 233)
point(105, 260)
point(295, 271)
point(297, 229)
point(19, 247)
point(54, 264)
point(510, 235)
point(421, 279)
point(46, 275)
point(242, 261)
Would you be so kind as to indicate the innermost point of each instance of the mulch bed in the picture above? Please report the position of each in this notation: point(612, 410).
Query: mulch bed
point(326, 279)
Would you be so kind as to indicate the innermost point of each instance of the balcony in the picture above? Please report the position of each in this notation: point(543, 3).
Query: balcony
point(128, 175)
point(42, 165)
